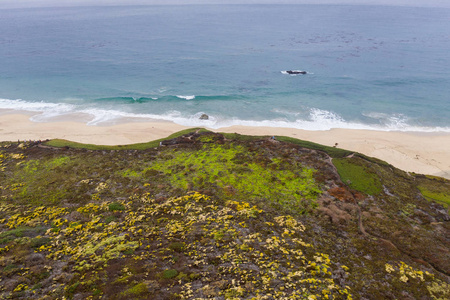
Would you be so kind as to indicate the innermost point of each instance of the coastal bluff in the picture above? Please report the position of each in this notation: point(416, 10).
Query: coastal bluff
point(201, 214)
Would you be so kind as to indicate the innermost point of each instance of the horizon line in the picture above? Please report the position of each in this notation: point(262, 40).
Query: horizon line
point(16, 5)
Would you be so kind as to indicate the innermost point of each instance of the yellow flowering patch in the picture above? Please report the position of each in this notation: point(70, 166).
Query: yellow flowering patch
point(17, 156)
point(182, 240)
point(406, 274)
point(244, 208)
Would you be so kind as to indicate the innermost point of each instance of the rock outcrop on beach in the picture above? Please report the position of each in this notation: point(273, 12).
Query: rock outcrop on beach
point(204, 117)
point(223, 216)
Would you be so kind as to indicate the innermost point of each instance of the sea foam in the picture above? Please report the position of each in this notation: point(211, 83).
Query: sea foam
point(313, 119)
point(191, 97)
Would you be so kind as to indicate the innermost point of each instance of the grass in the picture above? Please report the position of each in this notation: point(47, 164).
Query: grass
point(241, 137)
point(116, 206)
point(10, 235)
point(61, 143)
point(136, 290)
point(434, 188)
point(437, 196)
point(357, 176)
point(332, 151)
point(19, 232)
point(169, 274)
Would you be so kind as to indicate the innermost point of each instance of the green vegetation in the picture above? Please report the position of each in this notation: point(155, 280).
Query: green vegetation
point(332, 151)
point(168, 274)
point(92, 248)
point(116, 206)
point(241, 137)
point(138, 289)
point(207, 215)
point(358, 176)
point(439, 197)
point(234, 171)
point(60, 143)
point(434, 189)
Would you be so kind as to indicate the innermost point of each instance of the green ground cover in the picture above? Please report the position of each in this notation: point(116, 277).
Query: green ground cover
point(439, 196)
point(358, 176)
point(60, 143)
point(237, 173)
point(213, 216)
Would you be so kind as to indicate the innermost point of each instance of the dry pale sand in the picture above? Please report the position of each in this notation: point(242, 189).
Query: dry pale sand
point(414, 152)
point(15, 127)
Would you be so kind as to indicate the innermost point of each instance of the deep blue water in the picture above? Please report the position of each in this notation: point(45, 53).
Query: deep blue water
point(368, 66)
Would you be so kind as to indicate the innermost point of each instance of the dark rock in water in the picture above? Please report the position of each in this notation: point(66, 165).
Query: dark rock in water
point(294, 72)
point(204, 117)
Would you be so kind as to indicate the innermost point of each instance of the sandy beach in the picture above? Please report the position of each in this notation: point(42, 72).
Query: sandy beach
point(425, 153)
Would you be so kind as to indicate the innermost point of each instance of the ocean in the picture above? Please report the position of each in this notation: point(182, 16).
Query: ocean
point(367, 67)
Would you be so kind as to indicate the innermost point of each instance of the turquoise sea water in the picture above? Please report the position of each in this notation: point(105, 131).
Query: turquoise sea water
point(369, 67)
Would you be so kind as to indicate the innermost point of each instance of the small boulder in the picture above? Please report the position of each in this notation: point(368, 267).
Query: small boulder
point(204, 117)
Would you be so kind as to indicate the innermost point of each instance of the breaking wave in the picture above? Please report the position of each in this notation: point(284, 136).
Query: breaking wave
point(192, 97)
point(312, 119)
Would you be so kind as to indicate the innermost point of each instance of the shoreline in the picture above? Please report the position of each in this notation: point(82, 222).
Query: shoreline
point(424, 153)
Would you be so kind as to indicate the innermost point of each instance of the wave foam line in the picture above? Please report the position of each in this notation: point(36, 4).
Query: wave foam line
point(192, 97)
point(319, 120)
point(40, 106)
